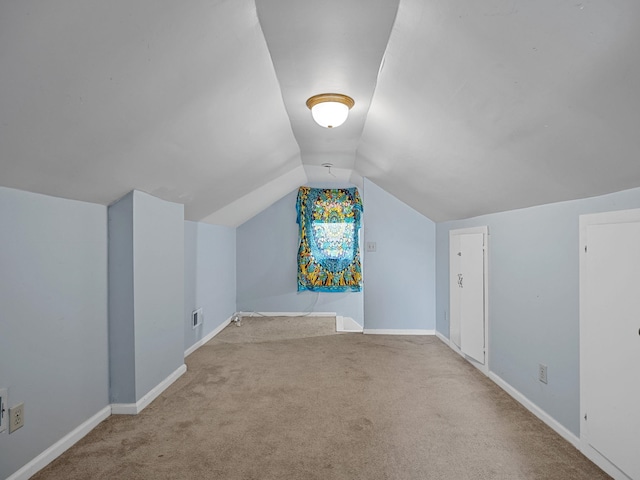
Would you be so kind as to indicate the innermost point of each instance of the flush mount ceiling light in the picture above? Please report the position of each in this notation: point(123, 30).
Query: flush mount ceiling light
point(330, 110)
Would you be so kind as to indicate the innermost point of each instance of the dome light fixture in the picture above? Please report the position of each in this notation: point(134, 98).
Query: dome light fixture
point(330, 110)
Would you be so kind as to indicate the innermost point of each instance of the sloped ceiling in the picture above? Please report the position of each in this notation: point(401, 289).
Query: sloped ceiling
point(462, 107)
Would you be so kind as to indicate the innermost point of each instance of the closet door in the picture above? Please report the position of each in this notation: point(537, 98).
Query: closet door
point(611, 343)
point(455, 289)
point(467, 294)
point(472, 296)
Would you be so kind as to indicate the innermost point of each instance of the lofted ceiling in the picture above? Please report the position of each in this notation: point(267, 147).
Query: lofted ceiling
point(462, 107)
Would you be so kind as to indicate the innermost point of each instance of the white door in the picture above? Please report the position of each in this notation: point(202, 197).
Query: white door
point(467, 329)
point(611, 343)
point(472, 296)
point(455, 280)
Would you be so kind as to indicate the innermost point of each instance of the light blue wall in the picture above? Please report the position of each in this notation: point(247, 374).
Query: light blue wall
point(533, 297)
point(122, 375)
point(209, 277)
point(399, 278)
point(158, 289)
point(146, 270)
point(53, 318)
point(53, 294)
point(267, 247)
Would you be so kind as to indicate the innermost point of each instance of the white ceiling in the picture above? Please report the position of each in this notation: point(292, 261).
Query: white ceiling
point(462, 107)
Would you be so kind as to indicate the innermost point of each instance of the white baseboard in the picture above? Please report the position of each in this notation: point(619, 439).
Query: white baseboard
point(483, 367)
point(537, 411)
point(603, 462)
point(385, 331)
point(287, 314)
point(61, 446)
point(135, 408)
point(347, 325)
point(207, 337)
point(444, 339)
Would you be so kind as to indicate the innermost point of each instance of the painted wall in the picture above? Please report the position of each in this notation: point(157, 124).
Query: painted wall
point(209, 277)
point(122, 374)
point(146, 272)
point(267, 246)
point(53, 318)
point(159, 289)
point(533, 297)
point(400, 276)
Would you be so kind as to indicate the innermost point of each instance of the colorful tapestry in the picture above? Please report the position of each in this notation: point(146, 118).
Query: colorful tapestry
point(329, 254)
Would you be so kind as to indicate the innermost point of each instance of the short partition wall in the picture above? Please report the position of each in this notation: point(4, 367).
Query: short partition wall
point(146, 297)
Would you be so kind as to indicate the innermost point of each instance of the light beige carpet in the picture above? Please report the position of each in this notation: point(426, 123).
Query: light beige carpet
point(289, 399)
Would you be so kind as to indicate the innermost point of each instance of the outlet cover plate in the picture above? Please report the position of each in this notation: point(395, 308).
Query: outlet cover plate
point(542, 373)
point(16, 417)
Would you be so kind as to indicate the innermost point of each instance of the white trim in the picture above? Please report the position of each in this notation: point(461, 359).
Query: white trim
point(340, 322)
point(606, 218)
point(467, 231)
point(537, 411)
point(389, 331)
point(61, 446)
point(457, 349)
point(66, 442)
point(135, 408)
point(287, 314)
point(601, 461)
point(124, 409)
point(207, 337)
point(484, 368)
point(444, 339)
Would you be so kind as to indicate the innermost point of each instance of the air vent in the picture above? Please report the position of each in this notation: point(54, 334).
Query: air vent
point(196, 318)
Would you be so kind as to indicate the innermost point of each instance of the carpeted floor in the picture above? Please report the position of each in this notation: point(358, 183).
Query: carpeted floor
point(282, 398)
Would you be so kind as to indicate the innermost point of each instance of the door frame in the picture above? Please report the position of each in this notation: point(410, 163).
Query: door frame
point(606, 218)
point(484, 230)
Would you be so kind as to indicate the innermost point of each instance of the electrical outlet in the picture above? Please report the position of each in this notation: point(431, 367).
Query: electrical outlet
point(16, 417)
point(4, 415)
point(542, 373)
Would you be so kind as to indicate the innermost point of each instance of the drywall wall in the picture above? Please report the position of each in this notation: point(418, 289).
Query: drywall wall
point(399, 277)
point(533, 297)
point(266, 248)
point(209, 277)
point(146, 269)
point(158, 288)
point(53, 317)
point(121, 302)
